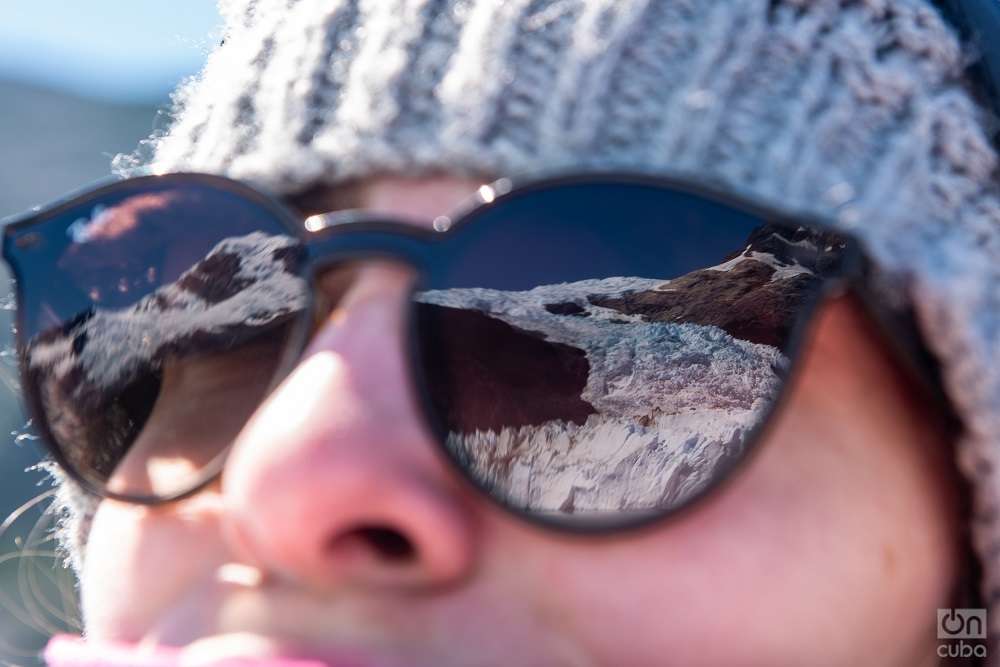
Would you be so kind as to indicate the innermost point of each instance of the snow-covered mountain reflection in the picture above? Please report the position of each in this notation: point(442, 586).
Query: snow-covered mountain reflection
point(99, 372)
point(669, 403)
point(645, 390)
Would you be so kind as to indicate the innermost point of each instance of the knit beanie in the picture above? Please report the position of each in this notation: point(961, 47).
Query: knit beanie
point(855, 111)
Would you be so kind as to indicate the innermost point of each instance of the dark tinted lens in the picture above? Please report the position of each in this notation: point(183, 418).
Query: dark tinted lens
point(153, 319)
point(599, 352)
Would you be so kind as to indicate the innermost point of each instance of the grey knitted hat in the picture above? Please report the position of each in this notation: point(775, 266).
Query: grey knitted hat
point(856, 111)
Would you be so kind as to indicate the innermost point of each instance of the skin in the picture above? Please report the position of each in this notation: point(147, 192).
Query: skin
point(833, 545)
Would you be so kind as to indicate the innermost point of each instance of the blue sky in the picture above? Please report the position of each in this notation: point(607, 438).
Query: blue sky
point(118, 50)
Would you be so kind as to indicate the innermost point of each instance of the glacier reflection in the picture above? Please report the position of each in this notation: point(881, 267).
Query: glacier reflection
point(648, 387)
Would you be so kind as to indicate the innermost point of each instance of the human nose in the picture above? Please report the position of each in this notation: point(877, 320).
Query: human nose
point(335, 478)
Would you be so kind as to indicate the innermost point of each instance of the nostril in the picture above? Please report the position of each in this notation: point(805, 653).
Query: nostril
point(387, 543)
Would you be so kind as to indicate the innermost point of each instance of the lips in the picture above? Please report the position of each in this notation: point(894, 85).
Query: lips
point(72, 651)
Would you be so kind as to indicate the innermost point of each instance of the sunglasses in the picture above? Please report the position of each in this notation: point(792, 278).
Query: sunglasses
point(591, 352)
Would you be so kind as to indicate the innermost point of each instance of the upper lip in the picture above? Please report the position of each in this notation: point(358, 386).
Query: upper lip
point(256, 620)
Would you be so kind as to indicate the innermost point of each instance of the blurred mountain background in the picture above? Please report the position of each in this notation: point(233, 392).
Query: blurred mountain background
point(51, 143)
point(79, 83)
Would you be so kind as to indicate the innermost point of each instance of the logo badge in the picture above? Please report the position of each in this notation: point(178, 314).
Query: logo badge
point(961, 623)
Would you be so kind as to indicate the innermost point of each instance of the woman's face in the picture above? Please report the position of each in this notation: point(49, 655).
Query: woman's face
point(338, 532)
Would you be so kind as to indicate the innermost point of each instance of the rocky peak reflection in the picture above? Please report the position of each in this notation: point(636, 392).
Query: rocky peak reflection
point(645, 389)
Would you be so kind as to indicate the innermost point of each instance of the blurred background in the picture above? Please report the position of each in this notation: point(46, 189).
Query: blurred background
point(79, 83)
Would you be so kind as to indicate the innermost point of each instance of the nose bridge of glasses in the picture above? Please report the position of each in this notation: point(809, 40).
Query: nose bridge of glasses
point(348, 236)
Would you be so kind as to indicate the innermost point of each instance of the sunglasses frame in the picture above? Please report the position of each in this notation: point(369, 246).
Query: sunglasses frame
point(355, 235)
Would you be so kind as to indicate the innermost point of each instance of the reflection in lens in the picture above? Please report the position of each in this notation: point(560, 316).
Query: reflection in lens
point(625, 394)
point(147, 377)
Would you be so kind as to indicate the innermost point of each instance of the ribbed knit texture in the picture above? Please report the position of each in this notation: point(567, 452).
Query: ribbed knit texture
point(852, 110)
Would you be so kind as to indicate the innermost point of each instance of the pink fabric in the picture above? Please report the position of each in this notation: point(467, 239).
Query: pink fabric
point(73, 651)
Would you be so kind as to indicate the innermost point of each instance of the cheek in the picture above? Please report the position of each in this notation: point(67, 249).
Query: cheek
point(139, 560)
point(826, 546)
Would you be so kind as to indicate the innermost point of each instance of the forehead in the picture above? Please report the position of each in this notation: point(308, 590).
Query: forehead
point(415, 200)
